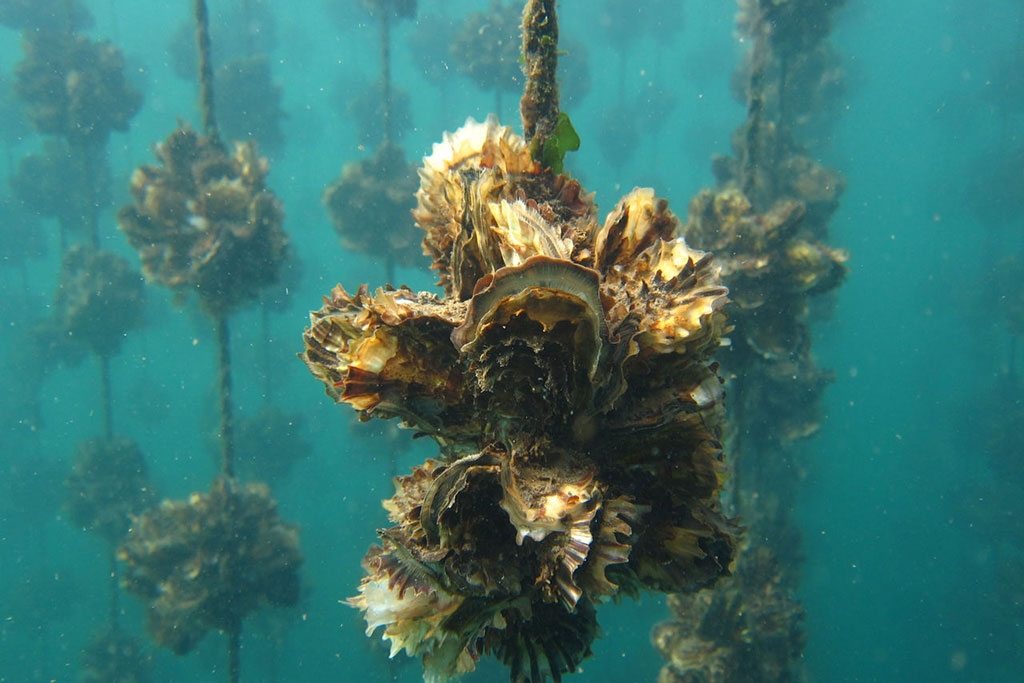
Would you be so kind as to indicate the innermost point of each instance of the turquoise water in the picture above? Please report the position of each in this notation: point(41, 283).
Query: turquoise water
point(902, 522)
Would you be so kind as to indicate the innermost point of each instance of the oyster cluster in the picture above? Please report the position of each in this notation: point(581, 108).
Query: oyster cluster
point(49, 184)
point(566, 376)
point(486, 47)
point(767, 224)
point(369, 206)
point(205, 220)
point(364, 104)
point(100, 297)
point(773, 265)
point(748, 629)
point(107, 485)
point(784, 172)
point(45, 15)
point(75, 87)
point(206, 562)
point(269, 443)
point(114, 656)
point(249, 102)
point(21, 233)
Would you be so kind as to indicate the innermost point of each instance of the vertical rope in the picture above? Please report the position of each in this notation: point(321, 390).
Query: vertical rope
point(106, 396)
point(247, 18)
point(115, 591)
point(85, 153)
point(385, 73)
point(206, 105)
point(227, 444)
point(235, 653)
point(755, 112)
point(738, 461)
point(1012, 366)
point(539, 105)
point(268, 385)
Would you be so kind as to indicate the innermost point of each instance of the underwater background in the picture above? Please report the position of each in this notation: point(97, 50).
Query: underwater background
point(907, 511)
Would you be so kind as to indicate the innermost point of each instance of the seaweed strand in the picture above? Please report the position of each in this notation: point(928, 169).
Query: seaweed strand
point(539, 105)
point(206, 106)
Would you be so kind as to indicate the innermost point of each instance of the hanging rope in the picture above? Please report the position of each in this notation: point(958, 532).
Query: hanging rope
point(206, 105)
point(539, 105)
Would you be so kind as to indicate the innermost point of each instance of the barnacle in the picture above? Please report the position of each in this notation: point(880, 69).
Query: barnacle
point(107, 485)
point(100, 297)
point(208, 561)
point(205, 220)
point(566, 376)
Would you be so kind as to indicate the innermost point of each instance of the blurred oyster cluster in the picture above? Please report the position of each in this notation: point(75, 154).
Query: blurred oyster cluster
point(74, 87)
point(49, 183)
point(807, 78)
point(269, 443)
point(204, 219)
point(114, 656)
point(369, 206)
point(206, 562)
point(107, 485)
point(767, 223)
point(100, 297)
point(566, 377)
point(486, 47)
point(45, 15)
point(748, 629)
point(249, 102)
point(773, 263)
